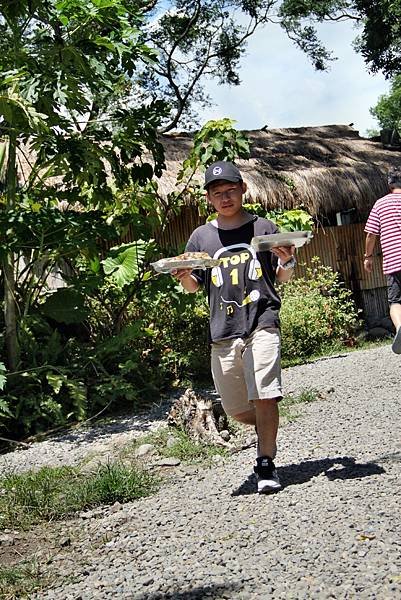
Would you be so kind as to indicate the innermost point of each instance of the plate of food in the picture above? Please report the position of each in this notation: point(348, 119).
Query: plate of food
point(187, 260)
point(261, 243)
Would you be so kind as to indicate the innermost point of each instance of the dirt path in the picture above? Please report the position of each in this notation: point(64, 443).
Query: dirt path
point(333, 532)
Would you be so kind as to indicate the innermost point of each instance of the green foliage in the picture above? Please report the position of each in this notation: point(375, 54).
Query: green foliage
point(65, 110)
point(292, 220)
point(56, 492)
point(317, 313)
point(289, 403)
point(65, 306)
point(217, 140)
point(64, 90)
point(388, 108)
point(379, 41)
point(72, 371)
point(379, 32)
point(178, 323)
point(3, 377)
point(296, 219)
point(123, 263)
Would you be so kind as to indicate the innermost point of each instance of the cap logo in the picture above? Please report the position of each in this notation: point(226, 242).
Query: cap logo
point(217, 170)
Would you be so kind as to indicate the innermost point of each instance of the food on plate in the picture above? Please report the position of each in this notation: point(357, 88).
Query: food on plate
point(187, 260)
point(192, 256)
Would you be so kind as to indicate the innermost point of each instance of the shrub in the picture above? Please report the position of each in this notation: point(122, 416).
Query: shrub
point(65, 378)
point(317, 313)
point(180, 326)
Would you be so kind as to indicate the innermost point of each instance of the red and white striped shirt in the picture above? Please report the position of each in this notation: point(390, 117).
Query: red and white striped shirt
point(385, 220)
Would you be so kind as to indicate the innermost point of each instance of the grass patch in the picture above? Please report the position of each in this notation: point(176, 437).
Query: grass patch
point(287, 404)
point(184, 447)
point(20, 580)
point(57, 492)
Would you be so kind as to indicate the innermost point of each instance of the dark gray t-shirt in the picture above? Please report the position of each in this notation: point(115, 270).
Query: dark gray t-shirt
point(241, 291)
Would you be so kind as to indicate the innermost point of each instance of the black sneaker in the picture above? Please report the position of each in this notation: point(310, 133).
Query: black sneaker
point(266, 476)
point(396, 345)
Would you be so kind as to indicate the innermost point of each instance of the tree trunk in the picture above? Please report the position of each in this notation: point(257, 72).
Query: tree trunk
point(200, 417)
point(12, 348)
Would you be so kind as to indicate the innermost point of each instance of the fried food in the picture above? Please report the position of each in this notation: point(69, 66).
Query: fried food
point(193, 256)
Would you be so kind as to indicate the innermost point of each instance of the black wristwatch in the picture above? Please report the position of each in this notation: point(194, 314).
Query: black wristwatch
point(290, 264)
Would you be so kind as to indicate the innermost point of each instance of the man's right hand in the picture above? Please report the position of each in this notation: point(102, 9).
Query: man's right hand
point(188, 282)
point(181, 274)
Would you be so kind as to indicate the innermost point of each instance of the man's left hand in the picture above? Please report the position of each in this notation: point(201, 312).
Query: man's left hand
point(285, 253)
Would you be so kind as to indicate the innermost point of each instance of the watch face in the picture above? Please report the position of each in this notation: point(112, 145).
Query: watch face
point(289, 264)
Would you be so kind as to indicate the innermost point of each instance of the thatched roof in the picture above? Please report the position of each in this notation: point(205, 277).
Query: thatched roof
point(326, 169)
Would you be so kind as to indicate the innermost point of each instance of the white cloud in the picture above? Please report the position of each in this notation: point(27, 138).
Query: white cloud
point(280, 88)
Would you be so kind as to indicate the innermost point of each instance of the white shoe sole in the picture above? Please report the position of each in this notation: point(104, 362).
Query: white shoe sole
point(268, 487)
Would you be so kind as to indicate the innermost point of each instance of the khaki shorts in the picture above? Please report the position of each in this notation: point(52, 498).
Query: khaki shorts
point(247, 370)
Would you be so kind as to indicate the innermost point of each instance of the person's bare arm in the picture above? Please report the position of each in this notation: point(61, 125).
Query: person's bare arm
point(370, 243)
point(187, 280)
point(285, 254)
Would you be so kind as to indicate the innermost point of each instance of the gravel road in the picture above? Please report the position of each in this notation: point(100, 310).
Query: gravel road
point(333, 532)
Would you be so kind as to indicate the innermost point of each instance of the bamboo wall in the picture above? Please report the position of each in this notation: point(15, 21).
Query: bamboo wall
point(342, 248)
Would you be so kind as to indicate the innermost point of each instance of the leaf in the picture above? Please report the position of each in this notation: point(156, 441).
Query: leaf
point(56, 381)
point(3, 377)
point(5, 409)
point(78, 394)
point(123, 263)
point(3, 157)
point(66, 306)
point(94, 264)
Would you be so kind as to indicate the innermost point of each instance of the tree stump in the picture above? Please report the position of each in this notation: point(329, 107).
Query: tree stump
point(202, 418)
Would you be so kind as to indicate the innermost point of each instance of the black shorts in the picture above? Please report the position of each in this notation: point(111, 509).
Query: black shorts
point(394, 288)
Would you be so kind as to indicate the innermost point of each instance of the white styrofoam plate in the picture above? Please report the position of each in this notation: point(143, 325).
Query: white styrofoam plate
point(166, 265)
point(261, 243)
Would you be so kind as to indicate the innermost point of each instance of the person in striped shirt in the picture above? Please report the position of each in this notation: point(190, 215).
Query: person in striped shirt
point(385, 221)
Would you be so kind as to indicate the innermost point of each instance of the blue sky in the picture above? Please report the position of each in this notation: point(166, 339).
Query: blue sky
point(280, 88)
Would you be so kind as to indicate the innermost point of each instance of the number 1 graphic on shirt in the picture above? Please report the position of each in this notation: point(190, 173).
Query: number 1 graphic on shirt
point(234, 276)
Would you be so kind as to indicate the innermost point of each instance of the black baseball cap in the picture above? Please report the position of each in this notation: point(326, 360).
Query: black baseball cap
point(222, 170)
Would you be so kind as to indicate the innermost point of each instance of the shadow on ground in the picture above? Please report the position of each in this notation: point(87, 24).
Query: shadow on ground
point(198, 593)
point(97, 432)
point(339, 467)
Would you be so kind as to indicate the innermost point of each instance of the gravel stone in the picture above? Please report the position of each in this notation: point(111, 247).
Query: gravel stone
point(144, 449)
point(333, 532)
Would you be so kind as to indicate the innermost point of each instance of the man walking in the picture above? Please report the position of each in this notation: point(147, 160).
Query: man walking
point(385, 221)
point(244, 312)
